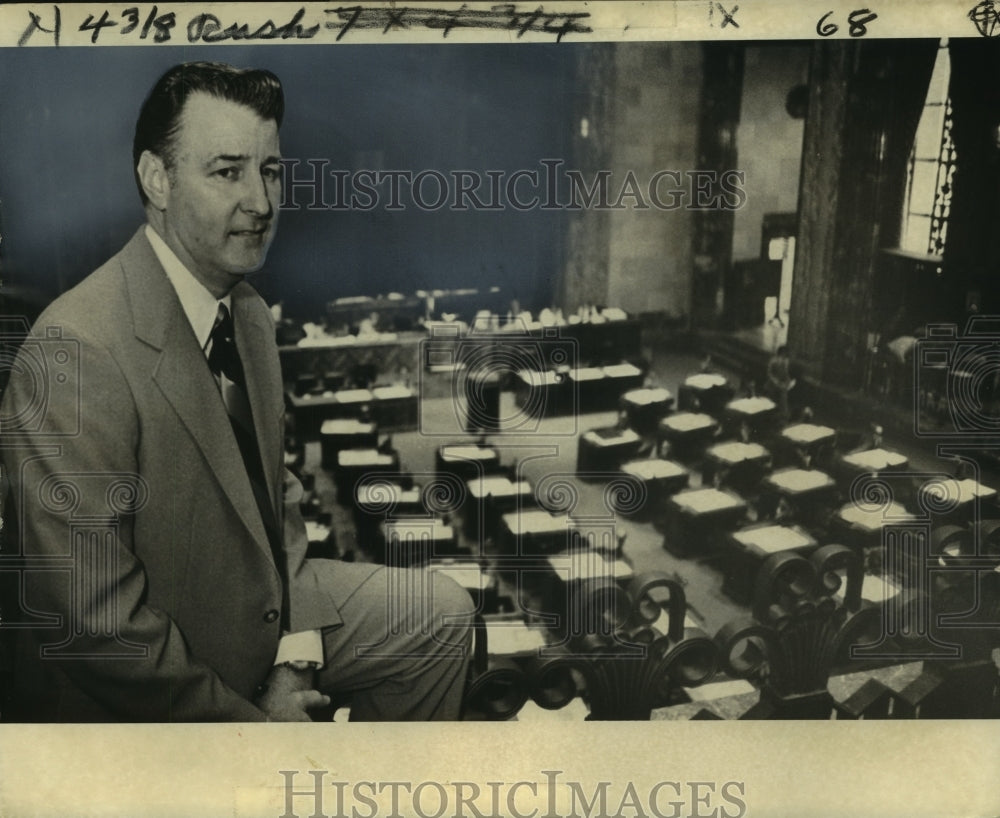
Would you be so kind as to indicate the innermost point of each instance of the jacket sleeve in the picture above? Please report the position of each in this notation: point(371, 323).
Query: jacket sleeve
point(311, 604)
point(70, 454)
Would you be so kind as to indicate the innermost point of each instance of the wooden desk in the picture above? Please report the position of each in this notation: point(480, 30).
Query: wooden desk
point(966, 495)
point(620, 379)
point(394, 407)
point(345, 433)
point(809, 434)
point(736, 464)
point(688, 433)
point(591, 387)
point(645, 407)
point(661, 478)
point(704, 392)
point(416, 541)
point(874, 461)
point(310, 411)
point(354, 464)
point(492, 496)
point(861, 526)
point(699, 519)
point(760, 415)
point(374, 503)
point(603, 450)
point(466, 460)
point(810, 494)
point(543, 394)
point(482, 401)
point(391, 354)
point(751, 546)
point(534, 533)
point(469, 575)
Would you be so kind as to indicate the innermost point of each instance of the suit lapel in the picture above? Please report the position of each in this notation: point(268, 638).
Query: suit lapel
point(256, 345)
point(182, 375)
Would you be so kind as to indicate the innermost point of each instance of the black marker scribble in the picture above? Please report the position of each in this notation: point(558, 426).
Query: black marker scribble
point(504, 17)
point(986, 17)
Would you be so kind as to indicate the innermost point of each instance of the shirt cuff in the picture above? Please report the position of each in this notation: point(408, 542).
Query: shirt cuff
point(301, 646)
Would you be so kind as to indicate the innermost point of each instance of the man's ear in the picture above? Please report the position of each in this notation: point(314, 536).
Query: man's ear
point(154, 179)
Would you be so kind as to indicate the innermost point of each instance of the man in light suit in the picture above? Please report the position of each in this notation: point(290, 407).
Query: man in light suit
point(166, 576)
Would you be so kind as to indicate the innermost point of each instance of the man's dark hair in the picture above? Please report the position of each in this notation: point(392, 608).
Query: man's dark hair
point(159, 118)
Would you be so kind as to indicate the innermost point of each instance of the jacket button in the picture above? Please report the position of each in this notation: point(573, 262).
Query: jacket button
point(271, 616)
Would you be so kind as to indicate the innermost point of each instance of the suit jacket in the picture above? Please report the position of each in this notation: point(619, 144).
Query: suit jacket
point(129, 482)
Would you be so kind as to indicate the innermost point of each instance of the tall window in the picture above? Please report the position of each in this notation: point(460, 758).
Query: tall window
point(932, 165)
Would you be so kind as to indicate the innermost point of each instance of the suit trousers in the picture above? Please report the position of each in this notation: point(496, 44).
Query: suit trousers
point(404, 647)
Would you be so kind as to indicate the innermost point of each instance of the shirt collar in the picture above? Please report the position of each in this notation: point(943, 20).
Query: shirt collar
point(199, 305)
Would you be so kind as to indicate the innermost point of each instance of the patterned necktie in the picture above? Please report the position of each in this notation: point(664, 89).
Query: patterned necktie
point(225, 363)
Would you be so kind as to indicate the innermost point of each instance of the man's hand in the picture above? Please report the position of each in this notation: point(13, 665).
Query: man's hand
point(288, 695)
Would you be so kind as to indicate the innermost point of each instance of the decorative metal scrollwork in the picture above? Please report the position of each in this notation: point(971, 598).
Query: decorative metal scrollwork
point(637, 649)
point(805, 618)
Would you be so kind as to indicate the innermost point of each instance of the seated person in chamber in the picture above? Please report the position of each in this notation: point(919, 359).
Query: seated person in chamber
point(780, 381)
point(194, 600)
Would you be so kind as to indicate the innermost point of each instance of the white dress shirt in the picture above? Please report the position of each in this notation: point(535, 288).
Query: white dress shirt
point(201, 309)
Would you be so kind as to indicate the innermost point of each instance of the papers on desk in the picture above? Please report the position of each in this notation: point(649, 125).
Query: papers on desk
point(327, 341)
point(750, 406)
point(704, 381)
point(701, 501)
point(580, 566)
point(645, 397)
point(719, 690)
point(622, 371)
point(316, 532)
point(536, 521)
point(736, 452)
point(688, 422)
point(385, 494)
point(875, 459)
point(346, 426)
point(535, 379)
point(807, 433)
point(392, 392)
point(354, 396)
point(800, 479)
point(872, 517)
point(363, 457)
point(653, 469)
point(610, 437)
point(451, 454)
point(963, 491)
point(587, 373)
point(774, 538)
point(497, 486)
point(418, 529)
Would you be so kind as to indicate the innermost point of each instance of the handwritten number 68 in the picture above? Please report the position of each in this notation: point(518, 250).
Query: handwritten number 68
point(857, 20)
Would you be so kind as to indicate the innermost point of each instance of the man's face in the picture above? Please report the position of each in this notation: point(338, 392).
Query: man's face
point(225, 185)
